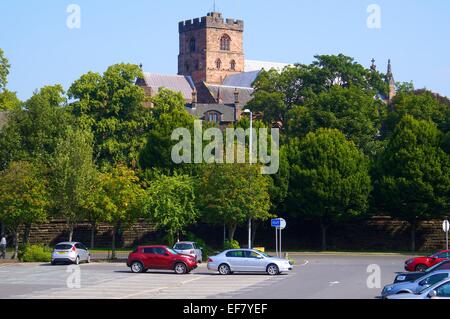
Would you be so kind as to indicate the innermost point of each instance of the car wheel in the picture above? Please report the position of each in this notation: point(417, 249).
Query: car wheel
point(77, 260)
point(180, 269)
point(421, 268)
point(224, 269)
point(273, 270)
point(53, 262)
point(137, 267)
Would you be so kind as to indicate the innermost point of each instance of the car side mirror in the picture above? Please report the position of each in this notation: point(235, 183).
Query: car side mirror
point(432, 294)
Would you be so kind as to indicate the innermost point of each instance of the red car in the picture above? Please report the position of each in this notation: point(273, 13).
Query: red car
point(160, 257)
point(423, 263)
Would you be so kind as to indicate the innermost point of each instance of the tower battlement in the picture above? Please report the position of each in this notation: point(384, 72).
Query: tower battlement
point(212, 20)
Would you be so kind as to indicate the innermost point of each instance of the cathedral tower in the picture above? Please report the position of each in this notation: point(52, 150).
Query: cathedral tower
point(211, 48)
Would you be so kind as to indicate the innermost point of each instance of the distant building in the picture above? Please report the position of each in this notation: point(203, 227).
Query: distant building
point(213, 75)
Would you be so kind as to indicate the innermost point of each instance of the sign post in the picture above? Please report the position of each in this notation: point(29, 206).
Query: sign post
point(446, 228)
point(279, 224)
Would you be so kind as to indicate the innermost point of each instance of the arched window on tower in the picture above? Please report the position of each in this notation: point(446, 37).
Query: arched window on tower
point(233, 65)
point(225, 43)
point(218, 64)
point(192, 45)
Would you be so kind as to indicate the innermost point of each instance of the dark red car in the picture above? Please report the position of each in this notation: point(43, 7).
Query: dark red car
point(423, 263)
point(144, 258)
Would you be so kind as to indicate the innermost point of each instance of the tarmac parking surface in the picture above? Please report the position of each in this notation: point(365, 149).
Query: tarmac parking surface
point(315, 276)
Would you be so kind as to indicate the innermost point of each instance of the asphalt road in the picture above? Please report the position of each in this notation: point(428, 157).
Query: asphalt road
point(314, 277)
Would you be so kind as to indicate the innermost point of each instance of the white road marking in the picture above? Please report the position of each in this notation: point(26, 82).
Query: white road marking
point(333, 283)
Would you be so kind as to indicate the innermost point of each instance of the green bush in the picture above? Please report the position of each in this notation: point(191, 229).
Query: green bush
point(35, 253)
point(234, 244)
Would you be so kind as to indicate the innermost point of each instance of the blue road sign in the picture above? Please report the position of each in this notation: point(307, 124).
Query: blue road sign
point(276, 222)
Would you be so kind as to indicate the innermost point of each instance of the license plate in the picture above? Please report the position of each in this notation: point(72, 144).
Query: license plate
point(61, 253)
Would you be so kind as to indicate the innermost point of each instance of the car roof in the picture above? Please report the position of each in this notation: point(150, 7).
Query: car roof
point(68, 243)
point(153, 246)
point(185, 242)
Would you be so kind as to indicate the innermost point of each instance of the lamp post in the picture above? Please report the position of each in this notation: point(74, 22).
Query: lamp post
point(250, 156)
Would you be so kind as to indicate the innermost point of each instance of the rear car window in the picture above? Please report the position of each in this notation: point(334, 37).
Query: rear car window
point(148, 251)
point(183, 246)
point(236, 254)
point(63, 247)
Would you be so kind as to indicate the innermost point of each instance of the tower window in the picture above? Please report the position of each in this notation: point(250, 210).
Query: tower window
point(225, 42)
point(213, 117)
point(192, 45)
point(233, 65)
point(218, 64)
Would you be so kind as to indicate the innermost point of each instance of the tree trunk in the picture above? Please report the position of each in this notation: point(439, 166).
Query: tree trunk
point(113, 244)
point(70, 232)
point(231, 231)
point(254, 228)
point(413, 235)
point(93, 229)
point(16, 244)
point(324, 236)
point(26, 234)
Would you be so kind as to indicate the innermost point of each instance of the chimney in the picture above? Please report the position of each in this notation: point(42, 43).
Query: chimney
point(219, 99)
point(194, 97)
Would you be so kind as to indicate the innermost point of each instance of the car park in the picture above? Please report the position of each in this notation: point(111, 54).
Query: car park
point(412, 276)
point(423, 263)
point(415, 286)
point(70, 252)
point(440, 290)
point(189, 248)
point(145, 258)
point(247, 260)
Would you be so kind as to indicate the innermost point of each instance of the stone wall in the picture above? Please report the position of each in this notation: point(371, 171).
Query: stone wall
point(376, 234)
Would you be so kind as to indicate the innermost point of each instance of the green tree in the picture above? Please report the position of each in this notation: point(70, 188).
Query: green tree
point(422, 105)
point(413, 174)
point(230, 194)
point(23, 197)
point(171, 204)
point(33, 131)
point(330, 179)
point(123, 200)
point(170, 114)
point(112, 106)
point(73, 176)
point(4, 70)
point(352, 111)
point(9, 101)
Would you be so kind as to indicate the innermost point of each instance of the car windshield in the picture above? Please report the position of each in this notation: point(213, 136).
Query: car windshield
point(437, 266)
point(172, 251)
point(183, 246)
point(261, 253)
point(63, 247)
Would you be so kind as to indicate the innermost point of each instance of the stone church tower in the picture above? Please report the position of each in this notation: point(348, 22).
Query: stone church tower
point(211, 48)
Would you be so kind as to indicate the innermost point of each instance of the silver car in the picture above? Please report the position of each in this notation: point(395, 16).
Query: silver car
point(189, 248)
point(247, 260)
point(70, 252)
point(417, 285)
point(441, 290)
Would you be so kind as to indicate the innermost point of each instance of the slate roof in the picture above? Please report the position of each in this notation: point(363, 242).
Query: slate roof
point(244, 79)
point(226, 93)
point(176, 83)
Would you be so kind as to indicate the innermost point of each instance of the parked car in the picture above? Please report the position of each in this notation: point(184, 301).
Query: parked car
point(411, 276)
point(189, 248)
point(440, 290)
point(70, 252)
point(247, 260)
point(423, 263)
point(415, 286)
point(160, 258)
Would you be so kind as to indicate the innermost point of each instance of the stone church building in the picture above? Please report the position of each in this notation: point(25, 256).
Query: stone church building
point(213, 75)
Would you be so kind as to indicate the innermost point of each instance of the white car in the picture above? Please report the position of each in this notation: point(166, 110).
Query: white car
point(70, 252)
point(440, 290)
point(247, 260)
point(189, 248)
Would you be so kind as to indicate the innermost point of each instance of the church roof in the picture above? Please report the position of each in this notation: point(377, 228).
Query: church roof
point(226, 93)
point(176, 83)
point(244, 79)
point(228, 112)
point(253, 65)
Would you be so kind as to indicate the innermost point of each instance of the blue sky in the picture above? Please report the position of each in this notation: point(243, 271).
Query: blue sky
point(415, 34)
